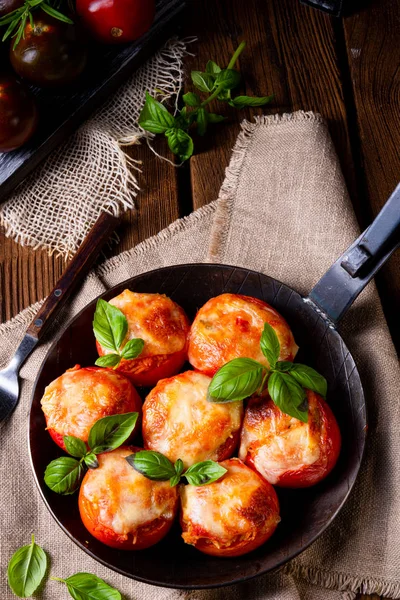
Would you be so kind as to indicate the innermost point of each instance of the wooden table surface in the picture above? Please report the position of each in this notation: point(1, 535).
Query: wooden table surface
point(346, 69)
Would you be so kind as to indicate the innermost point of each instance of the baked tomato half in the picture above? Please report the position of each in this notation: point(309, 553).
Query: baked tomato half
point(232, 516)
point(179, 422)
point(286, 451)
point(164, 328)
point(230, 326)
point(73, 402)
point(122, 508)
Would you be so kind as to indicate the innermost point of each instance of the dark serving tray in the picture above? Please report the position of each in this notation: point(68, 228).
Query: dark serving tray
point(61, 111)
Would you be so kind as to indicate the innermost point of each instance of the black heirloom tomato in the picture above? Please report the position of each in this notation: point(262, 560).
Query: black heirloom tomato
point(50, 54)
point(18, 115)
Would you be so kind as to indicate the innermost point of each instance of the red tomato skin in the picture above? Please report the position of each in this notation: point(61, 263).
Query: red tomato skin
point(116, 21)
point(169, 365)
point(330, 445)
point(18, 114)
point(146, 536)
point(134, 405)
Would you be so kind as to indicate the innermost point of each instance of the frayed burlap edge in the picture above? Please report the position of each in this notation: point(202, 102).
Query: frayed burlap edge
point(221, 224)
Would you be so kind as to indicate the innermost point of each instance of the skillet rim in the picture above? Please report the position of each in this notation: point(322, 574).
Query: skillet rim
point(242, 578)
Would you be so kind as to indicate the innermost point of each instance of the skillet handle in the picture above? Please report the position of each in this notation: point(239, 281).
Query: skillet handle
point(336, 291)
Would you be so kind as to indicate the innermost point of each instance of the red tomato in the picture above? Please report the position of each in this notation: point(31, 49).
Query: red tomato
point(73, 402)
point(122, 508)
point(286, 451)
point(18, 115)
point(249, 516)
point(116, 21)
point(179, 422)
point(230, 326)
point(164, 328)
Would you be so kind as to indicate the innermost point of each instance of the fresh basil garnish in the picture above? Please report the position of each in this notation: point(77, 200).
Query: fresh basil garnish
point(236, 380)
point(64, 475)
point(26, 569)
point(85, 586)
point(242, 377)
point(108, 360)
point(203, 81)
point(74, 446)
point(175, 479)
point(109, 325)
point(212, 67)
point(180, 143)
point(153, 465)
point(309, 378)
point(242, 101)
point(91, 460)
point(269, 344)
point(288, 395)
point(110, 432)
point(227, 79)
point(203, 473)
point(191, 99)
point(202, 121)
point(155, 117)
point(132, 349)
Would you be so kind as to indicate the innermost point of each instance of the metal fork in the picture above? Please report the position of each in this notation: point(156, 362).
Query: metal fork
point(75, 271)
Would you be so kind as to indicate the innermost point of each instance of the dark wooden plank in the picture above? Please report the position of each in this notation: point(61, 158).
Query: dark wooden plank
point(374, 57)
point(27, 275)
point(291, 52)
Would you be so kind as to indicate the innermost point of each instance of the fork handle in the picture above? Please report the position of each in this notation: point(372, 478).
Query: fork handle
point(73, 274)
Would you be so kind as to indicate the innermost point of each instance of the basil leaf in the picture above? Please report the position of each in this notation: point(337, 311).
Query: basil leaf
point(309, 378)
point(132, 349)
point(227, 79)
point(109, 325)
point(284, 365)
point(174, 480)
point(85, 586)
point(242, 101)
point(212, 67)
point(270, 345)
point(108, 360)
point(180, 143)
point(288, 395)
point(202, 120)
point(64, 475)
point(204, 472)
point(26, 569)
point(110, 432)
point(236, 380)
point(214, 118)
point(203, 81)
point(152, 465)
point(91, 461)
point(191, 99)
point(178, 466)
point(154, 117)
point(75, 446)
point(224, 95)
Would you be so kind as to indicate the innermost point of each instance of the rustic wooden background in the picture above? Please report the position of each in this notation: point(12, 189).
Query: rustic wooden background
point(346, 69)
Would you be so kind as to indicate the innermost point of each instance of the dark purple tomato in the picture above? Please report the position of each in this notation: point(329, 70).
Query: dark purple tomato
point(7, 6)
point(18, 115)
point(52, 53)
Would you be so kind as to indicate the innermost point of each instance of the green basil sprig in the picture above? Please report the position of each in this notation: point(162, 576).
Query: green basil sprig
point(110, 327)
point(242, 377)
point(218, 83)
point(64, 475)
point(158, 467)
point(26, 569)
point(85, 586)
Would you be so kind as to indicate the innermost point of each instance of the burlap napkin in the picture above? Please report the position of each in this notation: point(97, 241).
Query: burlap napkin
point(283, 210)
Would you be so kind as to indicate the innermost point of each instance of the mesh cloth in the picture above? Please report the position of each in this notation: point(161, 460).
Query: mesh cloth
point(55, 207)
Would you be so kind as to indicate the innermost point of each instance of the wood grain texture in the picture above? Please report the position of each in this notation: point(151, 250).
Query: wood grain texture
point(291, 53)
point(374, 56)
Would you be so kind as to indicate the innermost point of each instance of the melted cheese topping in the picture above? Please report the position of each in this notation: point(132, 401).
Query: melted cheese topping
point(230, 326)
point(154, 318)
point(237, 506)
point(277, 443)
point(126, 500)
point(178, 420)
point(73, 402)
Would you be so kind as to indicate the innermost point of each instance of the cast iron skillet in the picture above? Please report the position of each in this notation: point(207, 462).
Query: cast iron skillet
point(305, 513)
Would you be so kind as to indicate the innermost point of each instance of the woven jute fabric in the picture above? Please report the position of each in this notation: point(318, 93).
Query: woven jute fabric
point(283, 210)
point(55, 207)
